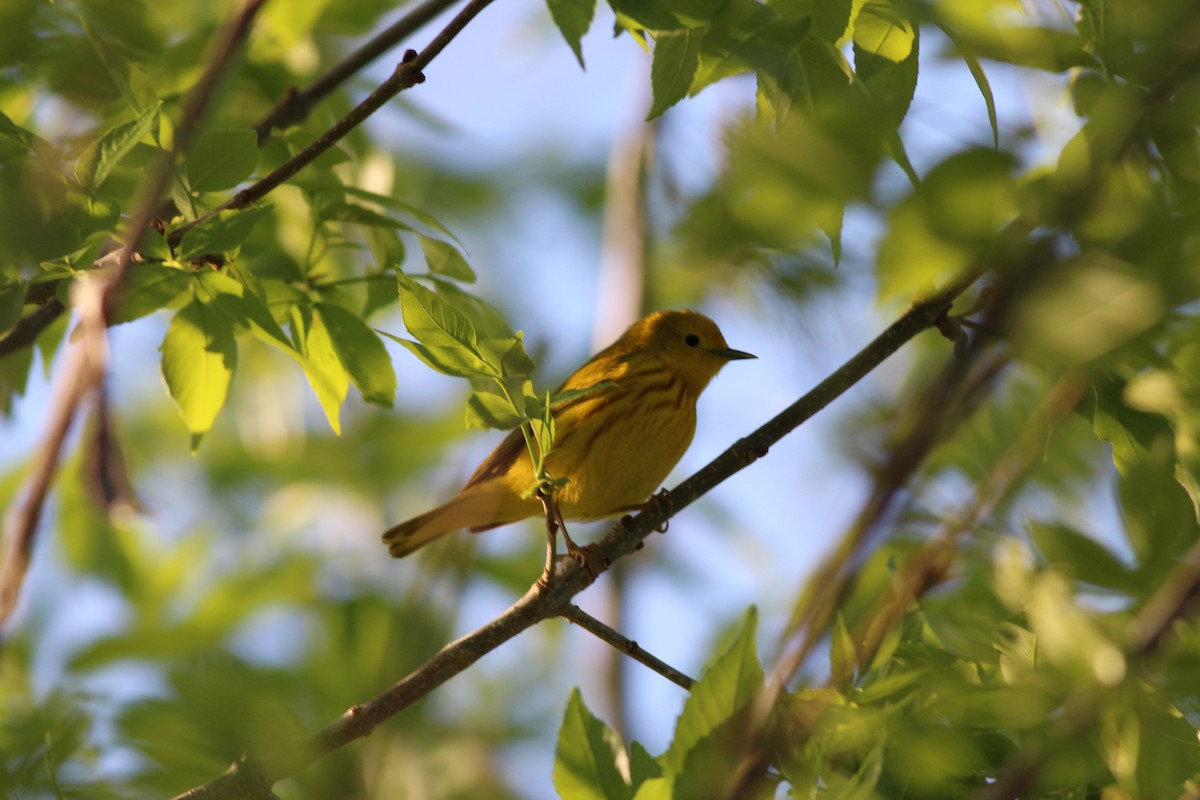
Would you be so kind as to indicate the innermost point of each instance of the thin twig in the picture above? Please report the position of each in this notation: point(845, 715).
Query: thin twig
point(30, 327)
point(625, 645)
point(551, 512)
point(84, 369)
point(295, 106)
point(407, 74)
point(570, 577)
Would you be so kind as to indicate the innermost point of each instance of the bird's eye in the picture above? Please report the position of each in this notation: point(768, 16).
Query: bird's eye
point(691, 340)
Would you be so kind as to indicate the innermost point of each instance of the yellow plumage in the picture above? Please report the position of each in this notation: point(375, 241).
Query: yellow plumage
point(615, 445)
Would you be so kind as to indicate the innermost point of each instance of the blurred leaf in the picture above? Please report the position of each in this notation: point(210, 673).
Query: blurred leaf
point(12, 301)
point(102, 156)
point(222, 233)
point(985, 89)
point(832, 19)
point(589, 761)
point(642, 765)
point(362, 353)
point(444, 259)
point(573, 18)
point(359, 215)
point(1080, 556)
point(1133, 434)
point(726, 686)
point(148, 287)
point(221, 159)
point(199, 355)
point(890, 77)
point(676, 59)
point(843, 657)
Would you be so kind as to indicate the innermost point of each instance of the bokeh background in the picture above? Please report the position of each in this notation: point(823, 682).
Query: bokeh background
point(249, 598)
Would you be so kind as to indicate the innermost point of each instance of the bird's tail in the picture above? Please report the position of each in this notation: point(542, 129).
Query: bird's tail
point(460, 512)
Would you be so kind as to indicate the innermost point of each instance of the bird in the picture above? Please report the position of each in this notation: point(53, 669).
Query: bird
point(614, 445)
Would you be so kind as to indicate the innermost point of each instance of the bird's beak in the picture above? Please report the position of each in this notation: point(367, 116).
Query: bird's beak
point(729, 354)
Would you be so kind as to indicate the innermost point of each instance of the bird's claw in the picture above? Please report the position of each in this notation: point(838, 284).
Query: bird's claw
point(589, 558)
point(664, 506)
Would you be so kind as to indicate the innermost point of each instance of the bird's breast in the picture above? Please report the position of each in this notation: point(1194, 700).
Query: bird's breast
point(618, 446)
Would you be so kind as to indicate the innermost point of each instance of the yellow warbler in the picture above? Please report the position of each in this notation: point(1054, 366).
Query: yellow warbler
point(615, 445)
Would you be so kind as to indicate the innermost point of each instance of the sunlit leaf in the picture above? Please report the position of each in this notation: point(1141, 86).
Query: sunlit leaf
point(590, 762)
point(725, 687)
point(199, 355)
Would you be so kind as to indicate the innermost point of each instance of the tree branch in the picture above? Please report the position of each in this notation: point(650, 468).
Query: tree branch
point(30, 327)
point(625, 645)
point(84, 369)
point(407, 74)
point(295, 106)
point(570, 578)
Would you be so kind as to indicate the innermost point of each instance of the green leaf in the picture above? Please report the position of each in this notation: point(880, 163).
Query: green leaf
point(432, 320)
point(985, 88)
point(890, 82)
point(1081, 556)
point(15, 141)
point(244, 309)
point(832, 19)
point(881, 31)
point(221, 233)
point(727, 685)
point(573, 18)
point(843, 657)
point(1133, 434)
point(489, 323)
point(419, 218)
point(490, 410)
point(444, 259)
point(148, 287)
point(589, 759)
point(199, 355)
point(12, 301)
point(360, 215)
point(454, 360)
point(221, 159)
point(676, 59)
point(362, 353)
point(656, 789)
point(324, 369)
point(642, 766)
point(102, 155)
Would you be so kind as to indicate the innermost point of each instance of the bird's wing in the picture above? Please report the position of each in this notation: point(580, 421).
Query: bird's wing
point(508, 451)
point(500, 460)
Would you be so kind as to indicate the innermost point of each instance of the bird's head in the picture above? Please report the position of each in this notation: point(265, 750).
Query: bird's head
point(685, 342)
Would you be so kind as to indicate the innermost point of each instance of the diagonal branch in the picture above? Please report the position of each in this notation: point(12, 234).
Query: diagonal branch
point(623, 644)
point(570, 578)
point(407, 75)
point(295, 106)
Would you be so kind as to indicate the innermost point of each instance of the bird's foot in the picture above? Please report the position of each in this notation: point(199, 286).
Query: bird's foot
point(664, 506)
